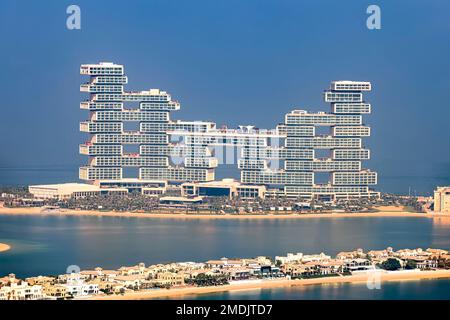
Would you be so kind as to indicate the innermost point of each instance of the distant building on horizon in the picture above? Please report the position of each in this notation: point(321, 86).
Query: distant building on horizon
point(310, 155)
point(442, 200)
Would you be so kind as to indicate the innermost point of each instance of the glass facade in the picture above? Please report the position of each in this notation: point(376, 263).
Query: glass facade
point(341, 147)
point(285, 160)
point(107, 106)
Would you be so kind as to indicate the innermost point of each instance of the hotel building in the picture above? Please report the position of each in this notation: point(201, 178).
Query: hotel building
point(109, 118)
point(324, 165)
point(286, 161)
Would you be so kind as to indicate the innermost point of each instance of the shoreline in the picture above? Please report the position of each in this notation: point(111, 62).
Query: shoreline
point(266, 284)
point(4, 247)
point(394, 212)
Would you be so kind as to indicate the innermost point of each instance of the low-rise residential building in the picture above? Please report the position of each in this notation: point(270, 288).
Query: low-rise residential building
point(192, 274)
point(421, 262)
point(170, 278)
point(256, 262)
point(21, 291)
point(191, 265)
point(179, 202)
point(7, 280)
point(411, 253)
point(262, 260)
point(76, 286)
point(293, 269)
point(315, 257)
point(40, 280)
point(444, 261)
point(240, 273)
point(153, 270)
point(358, 253)
point(380, 255)
point(57, 291)
point(358, 264)
point(297, 270)
point(332, 266)
point(224, 263)
point(268, 271)
point(99, 273)
point(81, 289)
point(436, 253)
point(64, 191)
point(130, 281)
point(224, 188)
point(289, 258)
point(110, 287)
point(134, 270)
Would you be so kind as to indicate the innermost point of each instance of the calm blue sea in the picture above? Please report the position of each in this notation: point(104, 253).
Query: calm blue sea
point(401, 290)
point(49, 244)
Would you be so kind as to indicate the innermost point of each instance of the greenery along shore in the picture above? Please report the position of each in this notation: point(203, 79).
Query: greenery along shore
point(136, 202)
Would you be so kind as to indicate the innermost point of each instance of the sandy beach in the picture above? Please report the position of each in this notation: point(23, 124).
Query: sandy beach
point(359, 278)
point(4, 247)
point(383, 212)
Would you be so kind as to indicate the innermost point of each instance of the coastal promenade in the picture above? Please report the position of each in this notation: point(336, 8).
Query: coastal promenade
point(383, 212)
point(265, 284)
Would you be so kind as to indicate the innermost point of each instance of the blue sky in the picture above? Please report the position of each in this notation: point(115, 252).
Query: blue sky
point(233, 62)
